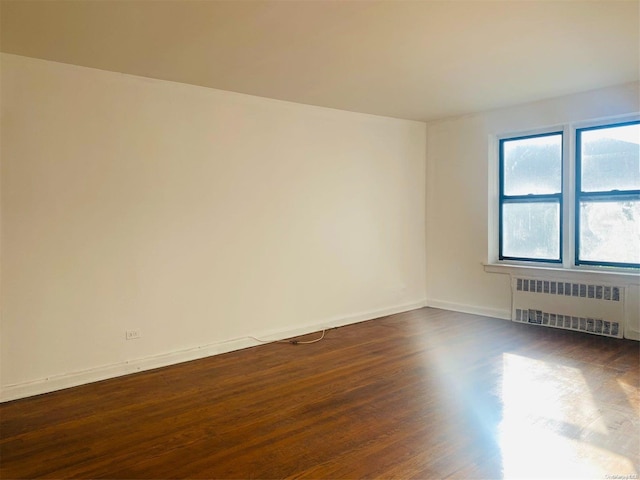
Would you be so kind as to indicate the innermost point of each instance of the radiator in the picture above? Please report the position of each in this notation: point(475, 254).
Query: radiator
point(584, 307)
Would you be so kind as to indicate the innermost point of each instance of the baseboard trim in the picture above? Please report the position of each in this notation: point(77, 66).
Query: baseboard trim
point(68, 380)
point(475, 310)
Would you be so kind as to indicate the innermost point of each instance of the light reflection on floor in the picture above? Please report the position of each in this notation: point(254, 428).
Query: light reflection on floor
point(551, 426)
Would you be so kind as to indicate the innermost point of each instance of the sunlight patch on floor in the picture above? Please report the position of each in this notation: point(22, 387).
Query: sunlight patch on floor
point(547, 414)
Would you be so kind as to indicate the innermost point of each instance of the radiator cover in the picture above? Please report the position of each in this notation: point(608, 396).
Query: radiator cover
point(592, 308)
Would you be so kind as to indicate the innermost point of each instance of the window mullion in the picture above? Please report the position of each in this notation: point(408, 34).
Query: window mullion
point(568, 197)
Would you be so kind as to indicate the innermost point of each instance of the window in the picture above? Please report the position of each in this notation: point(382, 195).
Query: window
point(593, 219)
point(608, 195)
point(531, 198)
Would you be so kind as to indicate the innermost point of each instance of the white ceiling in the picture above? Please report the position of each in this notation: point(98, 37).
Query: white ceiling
point(409, 59)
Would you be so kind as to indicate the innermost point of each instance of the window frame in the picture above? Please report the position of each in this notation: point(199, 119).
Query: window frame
point(531, 198)
point(568, 229)
point(580, 195)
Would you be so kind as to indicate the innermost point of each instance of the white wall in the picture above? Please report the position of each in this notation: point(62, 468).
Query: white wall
point(458, 156)
point(200, 217)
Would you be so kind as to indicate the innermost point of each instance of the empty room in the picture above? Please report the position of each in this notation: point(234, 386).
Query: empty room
point(324, 239)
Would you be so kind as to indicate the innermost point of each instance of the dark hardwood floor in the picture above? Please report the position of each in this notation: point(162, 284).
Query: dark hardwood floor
point(424, 394)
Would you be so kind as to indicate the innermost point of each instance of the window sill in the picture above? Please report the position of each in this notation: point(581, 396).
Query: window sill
point(569, 274)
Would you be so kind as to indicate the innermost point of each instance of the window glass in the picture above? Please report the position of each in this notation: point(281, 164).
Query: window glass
point(610, 231)
point(533, 165)
point(610, 158)
point(531, 230)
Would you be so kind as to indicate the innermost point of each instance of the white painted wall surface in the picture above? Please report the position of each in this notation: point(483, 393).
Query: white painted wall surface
point(458, 189)
point(199, 217)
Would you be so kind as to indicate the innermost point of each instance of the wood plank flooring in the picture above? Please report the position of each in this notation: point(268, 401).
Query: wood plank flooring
point(424, 394)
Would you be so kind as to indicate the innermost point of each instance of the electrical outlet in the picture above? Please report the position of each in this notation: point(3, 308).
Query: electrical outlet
point(132, 334)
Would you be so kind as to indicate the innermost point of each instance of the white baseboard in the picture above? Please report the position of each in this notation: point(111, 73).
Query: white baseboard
point(67, 380)
point(473, 309)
